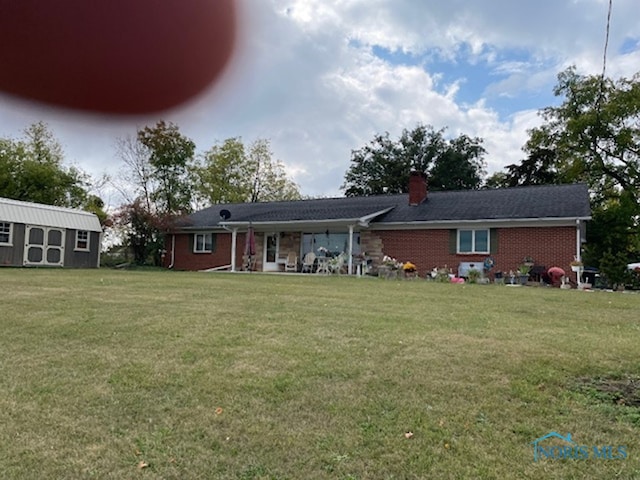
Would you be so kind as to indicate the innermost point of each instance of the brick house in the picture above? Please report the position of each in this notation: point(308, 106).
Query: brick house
point(430, 229)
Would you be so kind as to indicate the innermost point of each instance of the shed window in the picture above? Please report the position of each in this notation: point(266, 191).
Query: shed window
point(473, 241)
point(5, 233)
point(203, 243)
point(82, 240)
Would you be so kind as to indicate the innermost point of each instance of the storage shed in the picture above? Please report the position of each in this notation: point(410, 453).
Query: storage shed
point(32, 235)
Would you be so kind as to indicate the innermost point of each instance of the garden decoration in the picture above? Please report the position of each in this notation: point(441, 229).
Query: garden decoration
point(409, 270)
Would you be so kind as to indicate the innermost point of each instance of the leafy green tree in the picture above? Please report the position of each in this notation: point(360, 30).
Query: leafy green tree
point(221, 176)
point(594, 134)
point(157, 185)
point(383, 166)
point(230, 172)
point(269, 181)
point(32, 169)
point(171, 155)
point(614, 228)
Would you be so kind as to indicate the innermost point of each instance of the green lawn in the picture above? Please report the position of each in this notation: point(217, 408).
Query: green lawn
point(249, 376)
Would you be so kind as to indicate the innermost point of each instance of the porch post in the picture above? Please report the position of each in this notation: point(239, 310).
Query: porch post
point(578, 240)
point(350, 253)
point(234, 236)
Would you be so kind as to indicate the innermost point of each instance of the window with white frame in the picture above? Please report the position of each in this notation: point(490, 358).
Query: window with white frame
point(82, 240)
point(203, 243)
point(473, 241)
point(6, 229)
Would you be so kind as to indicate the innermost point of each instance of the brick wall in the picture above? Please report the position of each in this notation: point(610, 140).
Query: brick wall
point(548, 246)
point(185, 259)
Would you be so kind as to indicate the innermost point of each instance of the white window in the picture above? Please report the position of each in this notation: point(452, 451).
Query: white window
point(473, 241)
point(82, 240)
point(5, 233)
point(203, 243)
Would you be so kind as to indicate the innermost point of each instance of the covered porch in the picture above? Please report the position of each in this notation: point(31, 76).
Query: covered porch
point(318, 247)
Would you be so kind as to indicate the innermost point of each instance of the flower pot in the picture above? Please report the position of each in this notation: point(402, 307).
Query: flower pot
point(524, 279)
point(576, 268)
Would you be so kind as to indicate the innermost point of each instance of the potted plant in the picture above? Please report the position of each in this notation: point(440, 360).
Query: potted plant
point(410, 270)
point(576, 265)
point(473, 275)
point(523, 273)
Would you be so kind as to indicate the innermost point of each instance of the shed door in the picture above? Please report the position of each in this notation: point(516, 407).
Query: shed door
point(44, 246)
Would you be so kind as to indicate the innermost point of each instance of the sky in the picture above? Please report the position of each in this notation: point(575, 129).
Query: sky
point(320, 78)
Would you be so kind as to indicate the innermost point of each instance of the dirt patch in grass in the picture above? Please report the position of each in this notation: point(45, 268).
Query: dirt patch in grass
point(617, 390)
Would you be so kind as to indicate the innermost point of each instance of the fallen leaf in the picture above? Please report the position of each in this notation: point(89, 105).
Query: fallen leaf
point(446, 445)
point(218, 410)
point(142, 464)
point(408, 435)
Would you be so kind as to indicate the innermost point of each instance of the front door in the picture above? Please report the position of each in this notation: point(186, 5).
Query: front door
point(271, 247)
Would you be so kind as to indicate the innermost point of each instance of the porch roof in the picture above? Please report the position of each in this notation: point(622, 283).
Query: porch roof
point(323, 211)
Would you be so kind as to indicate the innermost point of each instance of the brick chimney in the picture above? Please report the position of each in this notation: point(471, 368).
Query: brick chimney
point(417, 188)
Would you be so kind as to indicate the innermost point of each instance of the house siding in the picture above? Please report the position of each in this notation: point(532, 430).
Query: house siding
point(11, 255)
point(81, 259)
point(548, 246)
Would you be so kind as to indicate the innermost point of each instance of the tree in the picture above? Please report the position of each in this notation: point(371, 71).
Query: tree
point(269, 181)
point(383, 166)
point(32, 169)
point(221, 176)
point(593, 136)
point(595, 133)
point(231, 173)
point(170, 158)
point(156, 184)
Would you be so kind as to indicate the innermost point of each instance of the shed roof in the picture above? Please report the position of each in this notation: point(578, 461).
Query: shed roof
point(47, 215)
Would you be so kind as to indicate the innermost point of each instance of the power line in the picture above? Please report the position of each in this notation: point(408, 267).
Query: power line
point(606, 41)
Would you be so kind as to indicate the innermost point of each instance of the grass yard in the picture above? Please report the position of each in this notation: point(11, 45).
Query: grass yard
point(170, 375)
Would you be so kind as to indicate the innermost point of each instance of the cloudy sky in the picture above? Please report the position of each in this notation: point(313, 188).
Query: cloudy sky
point(319, 78)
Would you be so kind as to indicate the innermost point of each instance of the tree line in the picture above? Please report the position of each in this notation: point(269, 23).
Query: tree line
point(592, 136)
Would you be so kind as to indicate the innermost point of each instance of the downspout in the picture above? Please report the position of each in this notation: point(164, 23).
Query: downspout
point(350, 258)
point(234, 236)
point(578, 240)
point(173, 251)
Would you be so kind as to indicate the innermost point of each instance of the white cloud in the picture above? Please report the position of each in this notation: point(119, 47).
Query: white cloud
point(305, 77)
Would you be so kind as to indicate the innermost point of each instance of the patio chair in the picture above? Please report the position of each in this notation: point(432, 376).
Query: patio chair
point(291, 265)
point(308, 262)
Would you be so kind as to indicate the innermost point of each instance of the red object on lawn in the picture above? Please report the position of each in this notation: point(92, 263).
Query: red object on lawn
point(556, 274)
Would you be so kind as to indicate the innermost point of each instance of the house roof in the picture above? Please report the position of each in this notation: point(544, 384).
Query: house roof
point(15, 211)
point(518, 203)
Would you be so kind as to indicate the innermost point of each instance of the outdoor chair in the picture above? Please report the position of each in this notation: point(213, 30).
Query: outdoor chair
point(291, 265)
point(308, 262)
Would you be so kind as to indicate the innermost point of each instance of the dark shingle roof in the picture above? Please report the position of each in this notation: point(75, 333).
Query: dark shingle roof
point(548, 201)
